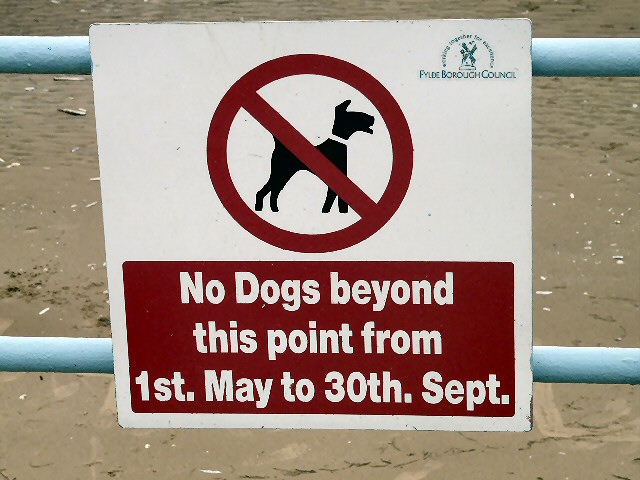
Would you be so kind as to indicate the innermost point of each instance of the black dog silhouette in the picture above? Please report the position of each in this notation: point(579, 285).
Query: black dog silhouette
point(285, 164)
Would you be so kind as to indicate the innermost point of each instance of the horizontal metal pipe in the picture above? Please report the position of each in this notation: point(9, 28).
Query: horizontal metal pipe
point(565, 57)
point(56, 354)
point(45, 55)
point(586, 365)
point(94, 355)
point(586, 57)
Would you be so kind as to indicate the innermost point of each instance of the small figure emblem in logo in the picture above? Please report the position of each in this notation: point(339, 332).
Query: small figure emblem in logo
point(468, 60)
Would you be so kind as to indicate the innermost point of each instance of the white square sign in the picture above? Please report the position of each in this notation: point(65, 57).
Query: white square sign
point(318, 224)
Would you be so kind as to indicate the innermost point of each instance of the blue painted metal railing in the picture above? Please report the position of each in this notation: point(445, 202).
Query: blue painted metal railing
point(565, 57)
point(569, 57)
point(45, 55)
point(94, 355)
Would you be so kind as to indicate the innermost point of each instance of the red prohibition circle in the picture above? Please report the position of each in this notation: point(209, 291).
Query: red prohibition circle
point(244, 91)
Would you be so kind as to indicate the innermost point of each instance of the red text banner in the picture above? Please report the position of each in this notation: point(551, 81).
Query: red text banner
point(282, 337)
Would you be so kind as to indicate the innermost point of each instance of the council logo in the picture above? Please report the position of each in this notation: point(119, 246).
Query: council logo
point(466, 57)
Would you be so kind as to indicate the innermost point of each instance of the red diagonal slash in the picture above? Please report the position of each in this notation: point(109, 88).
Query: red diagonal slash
point(308, 154)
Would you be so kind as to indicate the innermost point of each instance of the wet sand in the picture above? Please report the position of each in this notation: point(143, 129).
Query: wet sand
point(53, 279)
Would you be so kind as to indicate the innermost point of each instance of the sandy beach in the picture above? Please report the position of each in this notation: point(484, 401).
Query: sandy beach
point(586, 164)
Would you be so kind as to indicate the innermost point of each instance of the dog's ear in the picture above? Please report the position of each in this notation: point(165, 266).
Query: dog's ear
point(343, 106)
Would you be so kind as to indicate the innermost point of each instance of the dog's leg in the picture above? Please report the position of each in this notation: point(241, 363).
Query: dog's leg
point(328, 201)
point(273, 199)
point(341, 163)
point(278, 181)
point(284, 165)
point(261, 194)
point(343, 207)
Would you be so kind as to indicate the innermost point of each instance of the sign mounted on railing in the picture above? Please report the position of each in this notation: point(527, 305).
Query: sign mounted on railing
point(318, 224)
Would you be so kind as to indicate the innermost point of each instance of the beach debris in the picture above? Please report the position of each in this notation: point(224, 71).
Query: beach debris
point(44, 310)
point(572, 196)
point(91, 204)
point(213, 472)
point(103, 321)
point(94, 179)
point(543, 292)
point(29, 89)
point(75, 149)
point(146, 445)
point(23, 396)
point(619, 259)
point(1, 160)
point(72, 111)
point(14, 164)
point(68, 79)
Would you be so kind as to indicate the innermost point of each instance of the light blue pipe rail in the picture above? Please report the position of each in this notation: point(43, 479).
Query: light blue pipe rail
point(56, 354)
point(586, 365)
point(94, 355)
point(586, 57)
point(45, 55)
point(565, 57)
